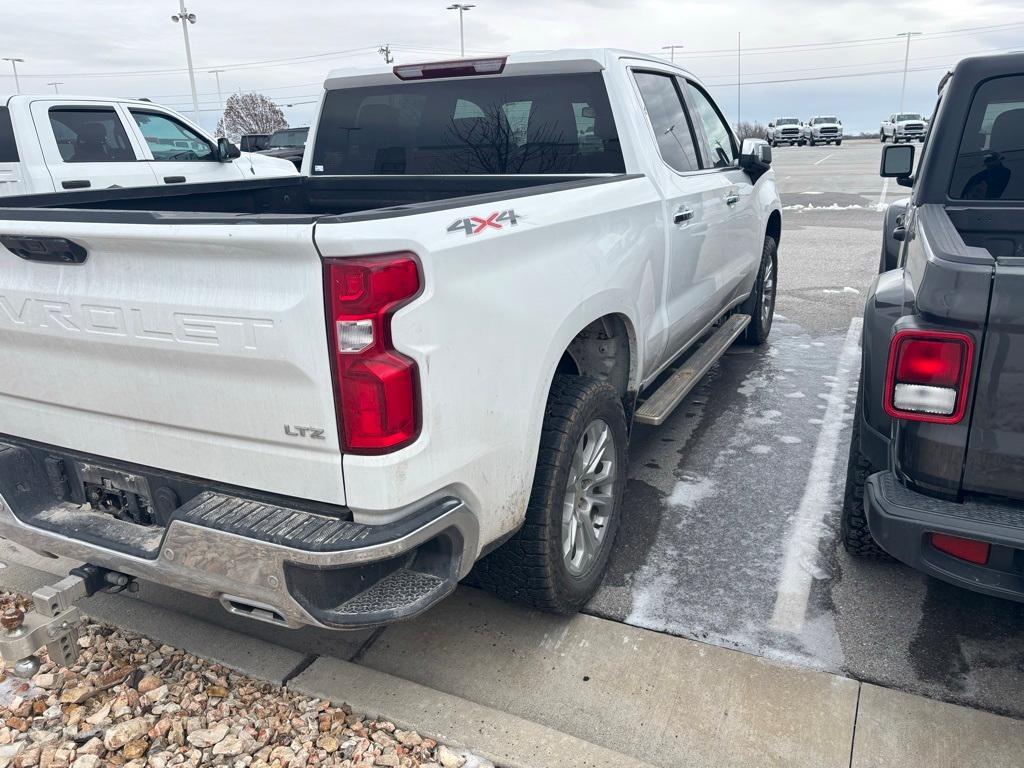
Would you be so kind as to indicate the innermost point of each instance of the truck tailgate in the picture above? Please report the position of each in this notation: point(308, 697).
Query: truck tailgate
point(199, 349)
point(995, 452)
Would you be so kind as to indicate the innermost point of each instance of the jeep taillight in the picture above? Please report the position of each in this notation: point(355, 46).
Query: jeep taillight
point(376, 388)
point(928, 376)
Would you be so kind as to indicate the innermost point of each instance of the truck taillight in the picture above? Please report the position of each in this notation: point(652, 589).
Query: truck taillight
point(376, 388)
point(928, 376)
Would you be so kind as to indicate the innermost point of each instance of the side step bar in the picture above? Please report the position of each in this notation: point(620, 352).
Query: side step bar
point(656, 408)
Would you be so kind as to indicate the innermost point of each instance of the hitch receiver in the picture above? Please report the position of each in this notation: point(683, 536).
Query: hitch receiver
point(55, 619)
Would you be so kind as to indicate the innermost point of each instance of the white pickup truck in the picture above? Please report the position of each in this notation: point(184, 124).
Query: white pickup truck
point(903, 126)
point(323, 399)
point(822, 129)
point(783, 130)
point(56, 142)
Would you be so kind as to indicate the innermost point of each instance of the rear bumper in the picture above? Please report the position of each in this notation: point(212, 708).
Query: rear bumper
point(268, 561)
point(901, 520)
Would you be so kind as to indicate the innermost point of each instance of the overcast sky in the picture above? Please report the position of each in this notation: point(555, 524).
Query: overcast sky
point(92, 46)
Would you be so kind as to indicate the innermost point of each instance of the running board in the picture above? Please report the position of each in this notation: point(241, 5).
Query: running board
point(656, 408)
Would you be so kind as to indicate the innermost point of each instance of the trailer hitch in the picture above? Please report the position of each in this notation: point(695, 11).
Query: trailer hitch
point(54, 620)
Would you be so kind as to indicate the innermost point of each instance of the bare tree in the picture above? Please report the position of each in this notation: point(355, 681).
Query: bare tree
point(250, 113)
point(748, 130)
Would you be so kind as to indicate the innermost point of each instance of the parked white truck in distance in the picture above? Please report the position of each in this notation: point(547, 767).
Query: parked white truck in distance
point(783, 130)
point(903, 126)
point(323, 400)
point(52, 143)
point(823, 129)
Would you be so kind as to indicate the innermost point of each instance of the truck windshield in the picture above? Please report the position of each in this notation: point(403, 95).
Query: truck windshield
point(293, 137)
point(990, 164)
point(907, 116)
point(820, 120)
point(787, 121)
point(535, 124)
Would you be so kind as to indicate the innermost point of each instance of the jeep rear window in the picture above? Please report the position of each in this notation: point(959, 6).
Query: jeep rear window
point(535, 124)
point(990, 164)
point(8, 147)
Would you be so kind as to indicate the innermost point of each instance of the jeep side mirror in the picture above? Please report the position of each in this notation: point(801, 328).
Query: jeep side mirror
point(898, 163)
point(755, 156)
point(226, 151)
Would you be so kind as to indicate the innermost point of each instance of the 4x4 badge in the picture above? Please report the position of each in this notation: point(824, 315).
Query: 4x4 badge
point(474, 225)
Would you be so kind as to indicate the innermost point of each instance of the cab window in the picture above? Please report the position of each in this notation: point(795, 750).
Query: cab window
point(90, 135)
point(990, 163)
point(8, 146)
point(667, 116)
point(169, 139)
point(720, 149)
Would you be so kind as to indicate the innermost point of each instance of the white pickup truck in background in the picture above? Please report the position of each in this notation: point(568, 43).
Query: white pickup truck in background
point(903, 126)
point(783, 130)
point(323, 399)
point(55, 143)
point(826, 129)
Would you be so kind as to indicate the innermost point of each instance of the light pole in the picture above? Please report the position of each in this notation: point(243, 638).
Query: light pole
point(739, 76)
point(906, 64)
point(220, 98)
point(55, 88)
point(186, 18)
point(461, 8)
point(14, 66)
point(672, 51)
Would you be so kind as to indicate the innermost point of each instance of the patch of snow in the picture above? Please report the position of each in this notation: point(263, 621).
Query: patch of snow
point(688, 493)
point(795, 395)
point(789, 439)
point(762, 449)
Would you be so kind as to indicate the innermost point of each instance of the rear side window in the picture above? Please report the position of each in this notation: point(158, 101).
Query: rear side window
point(665, 110)
point(990, 163)
point(536, 124)
point(8, 147)
point(169, 139)
point(90, 135)
point(720, 150)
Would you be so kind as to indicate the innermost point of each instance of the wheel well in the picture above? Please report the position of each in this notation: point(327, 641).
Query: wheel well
point(604, 350)
point(774, 229)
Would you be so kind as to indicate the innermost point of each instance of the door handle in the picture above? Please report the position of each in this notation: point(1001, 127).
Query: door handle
point(76, 184)
point(682, 214)
point(732, 198)
point(174, 179)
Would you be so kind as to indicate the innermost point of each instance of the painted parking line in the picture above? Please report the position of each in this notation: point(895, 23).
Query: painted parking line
point(794, 585)
point(885, 191)
point(826, 157)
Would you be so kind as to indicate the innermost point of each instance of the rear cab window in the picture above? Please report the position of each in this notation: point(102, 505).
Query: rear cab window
point(90, 135)
point(990, 161)
point(530, 124)
point(8, 146)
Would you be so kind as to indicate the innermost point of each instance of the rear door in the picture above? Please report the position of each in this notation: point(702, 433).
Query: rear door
point(988, 181)
point(10, 167)
point(86, 146)
point(194, 348)
point(690, 266)
point(177, 153)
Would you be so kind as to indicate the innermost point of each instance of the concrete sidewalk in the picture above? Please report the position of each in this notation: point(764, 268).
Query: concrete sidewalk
point(528, 689)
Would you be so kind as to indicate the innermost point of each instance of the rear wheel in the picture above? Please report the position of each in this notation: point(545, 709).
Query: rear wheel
point(555, 562)
point(760, 305)
point(857, 539)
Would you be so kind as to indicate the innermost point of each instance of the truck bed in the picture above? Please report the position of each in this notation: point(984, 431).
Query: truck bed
point(296, 200)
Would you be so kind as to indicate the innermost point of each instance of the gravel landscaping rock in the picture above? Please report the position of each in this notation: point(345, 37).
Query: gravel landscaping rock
point(133, 703)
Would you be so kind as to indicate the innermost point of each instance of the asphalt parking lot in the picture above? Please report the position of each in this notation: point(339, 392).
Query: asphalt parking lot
point(731, 524)
point(731, 513)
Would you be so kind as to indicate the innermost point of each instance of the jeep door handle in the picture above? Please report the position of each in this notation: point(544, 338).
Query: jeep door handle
point(732, 198)
point(682, 214)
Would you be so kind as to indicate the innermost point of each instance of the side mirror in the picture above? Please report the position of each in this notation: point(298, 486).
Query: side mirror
point(771, 125)
point(226, 151)
point(898, 163)
point(755, 156)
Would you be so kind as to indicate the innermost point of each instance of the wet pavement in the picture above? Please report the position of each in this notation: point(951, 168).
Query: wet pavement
point(731, 523)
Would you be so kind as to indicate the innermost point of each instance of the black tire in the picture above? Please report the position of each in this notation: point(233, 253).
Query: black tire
point(839, 143)
point(811, 142)
point(881, 136)
point(760, 321)
point(529, 567)
point(857, 539)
